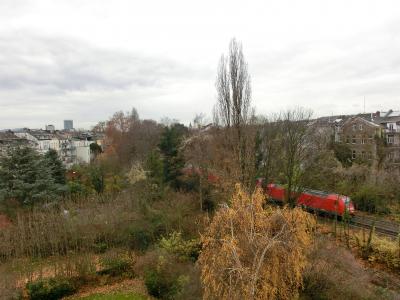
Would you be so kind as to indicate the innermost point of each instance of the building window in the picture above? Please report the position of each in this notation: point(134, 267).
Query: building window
point(391, 126)
point(347, 140)
point(360, 127)
point(363, 140)
point(363, 154)
point(354, 127)
point(369, 155)
point(353, 140)
point(353, 154)
point(390, 139)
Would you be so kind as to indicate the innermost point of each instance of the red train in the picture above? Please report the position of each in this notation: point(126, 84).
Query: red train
point(313, 200)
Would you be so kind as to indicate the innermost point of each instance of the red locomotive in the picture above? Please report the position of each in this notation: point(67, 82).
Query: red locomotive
point(313, 200)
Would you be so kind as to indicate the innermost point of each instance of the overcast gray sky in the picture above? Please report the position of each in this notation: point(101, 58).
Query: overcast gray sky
point(86, 59)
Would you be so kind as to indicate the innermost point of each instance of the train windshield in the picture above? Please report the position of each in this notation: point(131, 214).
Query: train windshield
point(346, 200)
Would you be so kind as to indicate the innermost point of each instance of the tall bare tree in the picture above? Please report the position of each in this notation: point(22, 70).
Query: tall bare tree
point(296, 146)
point(234, 99)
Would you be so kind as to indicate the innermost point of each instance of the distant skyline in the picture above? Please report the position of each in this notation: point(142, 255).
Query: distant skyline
point(84, 60)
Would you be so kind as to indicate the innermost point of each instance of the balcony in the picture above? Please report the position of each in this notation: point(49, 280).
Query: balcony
point(391, 130)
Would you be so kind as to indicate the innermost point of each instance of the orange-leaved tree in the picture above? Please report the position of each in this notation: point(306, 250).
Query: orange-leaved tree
point(251, 252)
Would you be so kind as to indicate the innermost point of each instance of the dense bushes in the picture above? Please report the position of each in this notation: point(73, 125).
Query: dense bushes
point(379, 249)
point(75, 239)
point(95, 224)
point(184, 249)
point(116, 264)
point(163, 278)
point(50, 289)
point(140, 238)
point(371, 199)
point(160, 285)
point(334, 273)
point(343, 154)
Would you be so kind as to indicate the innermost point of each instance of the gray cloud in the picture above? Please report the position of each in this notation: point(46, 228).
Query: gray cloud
point(46, 79)
point(47, 75)
point(332, 76)
point(65, 65)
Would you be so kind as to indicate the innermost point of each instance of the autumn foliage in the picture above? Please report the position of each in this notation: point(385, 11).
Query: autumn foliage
point(251, 252)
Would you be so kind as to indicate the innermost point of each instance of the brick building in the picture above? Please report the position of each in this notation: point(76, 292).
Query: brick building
point(361, 136)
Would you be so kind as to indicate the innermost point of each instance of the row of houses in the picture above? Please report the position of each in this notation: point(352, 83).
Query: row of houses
point(370, 136)
point(73, 147)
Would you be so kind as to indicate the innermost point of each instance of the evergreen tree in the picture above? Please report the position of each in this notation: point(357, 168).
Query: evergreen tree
point(96, 174)
point(154, 167)
point(25, 176)
point(55, 166)
point(95, 149)
point(173, 161)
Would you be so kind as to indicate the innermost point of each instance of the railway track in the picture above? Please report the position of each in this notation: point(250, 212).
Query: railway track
point(384, 227)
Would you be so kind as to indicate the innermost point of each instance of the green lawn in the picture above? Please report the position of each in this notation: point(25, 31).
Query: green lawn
point(115, 296)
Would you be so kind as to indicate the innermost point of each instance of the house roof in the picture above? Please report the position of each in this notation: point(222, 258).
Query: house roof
point(373, 124)
point(8, 135)
point(390, 116)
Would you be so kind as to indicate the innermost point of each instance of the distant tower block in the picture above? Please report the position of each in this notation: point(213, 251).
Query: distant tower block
point(68, 124)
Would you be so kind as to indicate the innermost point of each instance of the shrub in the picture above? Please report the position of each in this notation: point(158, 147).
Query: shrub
point(140, 238)
point(334, 273)
point(343, 154)
point(316, 285)
point(84, 266)
point(100, 247)
point(379, 249)
point(50, 289)
point(162, 284)
point(156, 285)
point(186, 250)
point(78, 188)
point(115, 264)
point(370, 198)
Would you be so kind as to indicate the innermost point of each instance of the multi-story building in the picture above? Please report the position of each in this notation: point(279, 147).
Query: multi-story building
point(360, 135)
point(365, 132)
point(68, 124)
point(71, 148)
point(42, 140)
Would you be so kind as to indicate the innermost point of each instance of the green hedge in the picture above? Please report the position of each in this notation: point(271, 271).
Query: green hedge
point(50, 289)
